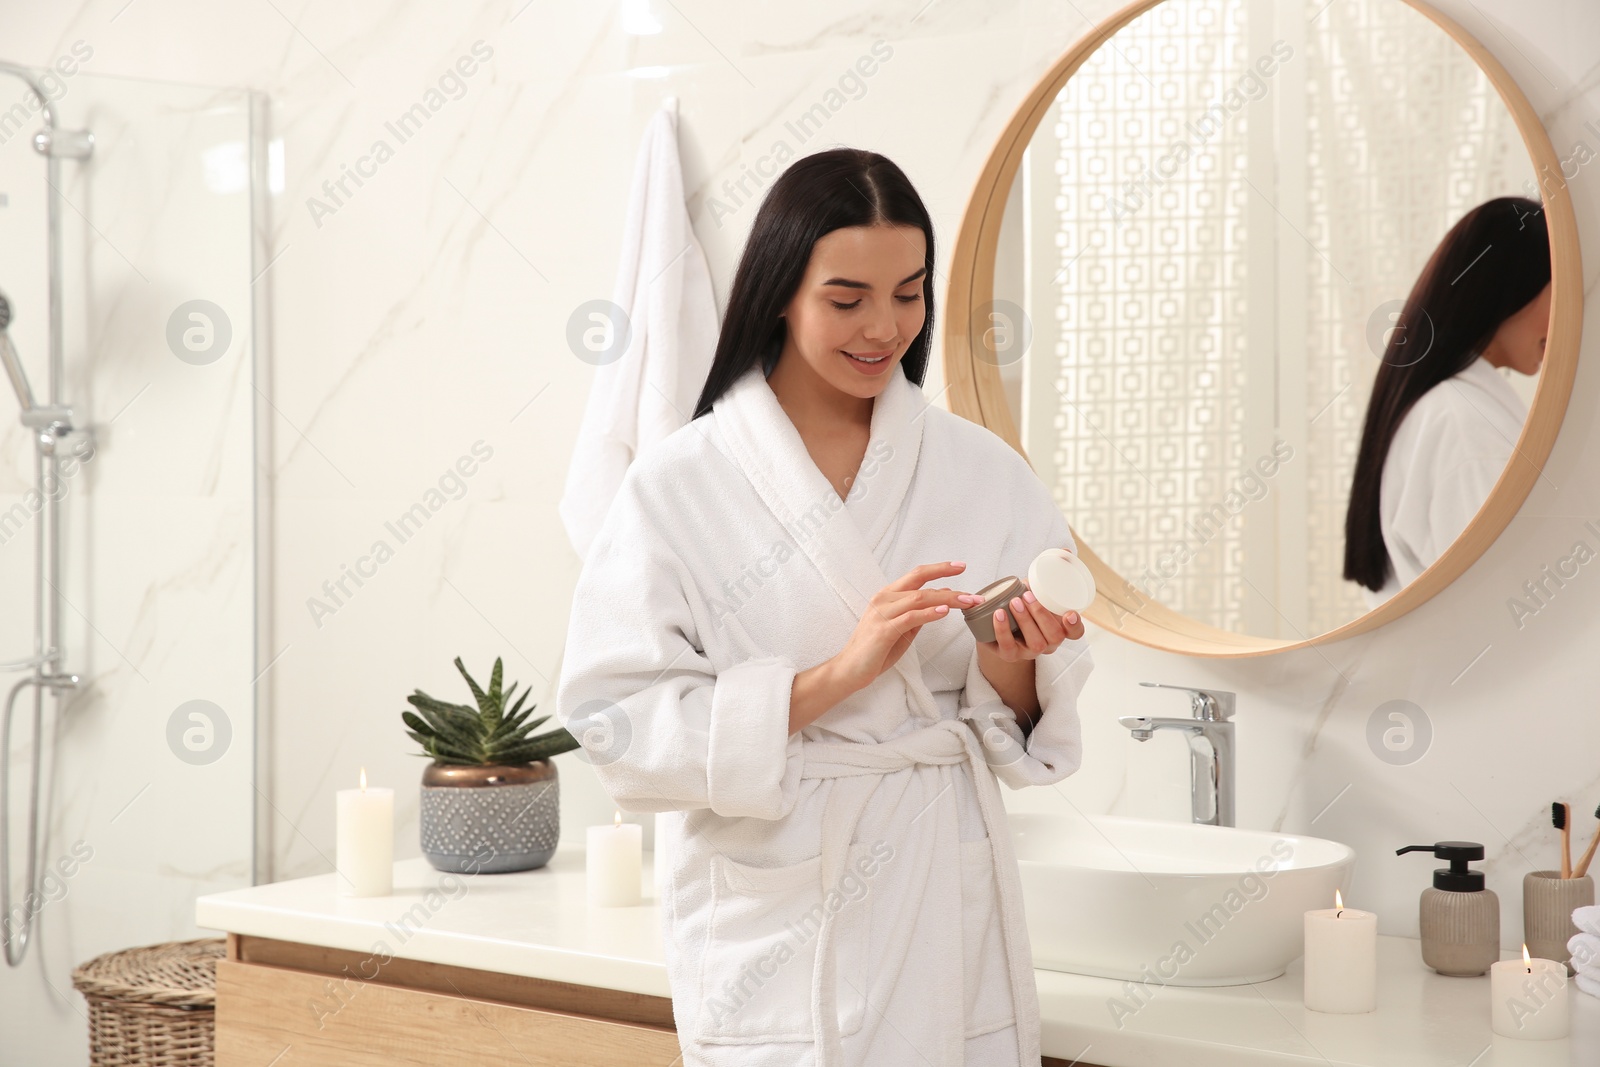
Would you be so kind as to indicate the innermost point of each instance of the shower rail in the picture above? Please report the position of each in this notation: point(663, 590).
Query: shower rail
point(51, 422)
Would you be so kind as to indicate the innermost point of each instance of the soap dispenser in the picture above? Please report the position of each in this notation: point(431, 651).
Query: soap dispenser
point(1460, 918)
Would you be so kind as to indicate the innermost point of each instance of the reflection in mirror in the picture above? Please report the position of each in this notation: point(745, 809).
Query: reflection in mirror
point(1442, 422)
point(1202, 259)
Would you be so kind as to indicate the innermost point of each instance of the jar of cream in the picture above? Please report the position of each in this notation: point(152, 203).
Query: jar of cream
point(1060, 580)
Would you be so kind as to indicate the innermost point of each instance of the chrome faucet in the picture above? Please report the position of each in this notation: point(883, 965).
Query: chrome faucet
point(1210, 735)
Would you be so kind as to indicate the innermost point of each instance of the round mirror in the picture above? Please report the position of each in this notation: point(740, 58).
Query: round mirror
point(1188, 259)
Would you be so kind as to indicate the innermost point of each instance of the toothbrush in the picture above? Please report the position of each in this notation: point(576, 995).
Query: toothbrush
point(1558, 818)
point(1583, 864)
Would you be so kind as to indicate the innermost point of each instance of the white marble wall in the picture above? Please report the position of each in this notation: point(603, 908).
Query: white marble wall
point(428, 312)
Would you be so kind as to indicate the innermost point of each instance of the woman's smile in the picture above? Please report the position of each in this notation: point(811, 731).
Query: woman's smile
point(870, 362)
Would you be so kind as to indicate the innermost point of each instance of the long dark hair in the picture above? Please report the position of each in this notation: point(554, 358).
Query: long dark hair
point(1491, 265)
point(816, 195)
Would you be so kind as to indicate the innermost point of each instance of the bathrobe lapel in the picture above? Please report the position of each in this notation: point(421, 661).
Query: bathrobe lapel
point(843, 539)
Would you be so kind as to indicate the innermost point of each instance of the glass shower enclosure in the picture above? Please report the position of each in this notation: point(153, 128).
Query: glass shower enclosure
point(132, 548)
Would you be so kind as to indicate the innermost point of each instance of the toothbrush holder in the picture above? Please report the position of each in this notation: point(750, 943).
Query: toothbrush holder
point(1548, 901)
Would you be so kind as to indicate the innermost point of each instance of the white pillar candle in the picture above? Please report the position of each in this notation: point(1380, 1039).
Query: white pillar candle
point(1528, 998)
point(1341, 959)
point(364, 841)
point(614, 864)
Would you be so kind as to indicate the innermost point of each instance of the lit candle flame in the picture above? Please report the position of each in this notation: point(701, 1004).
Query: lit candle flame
point(363, 779)
point(1526, 962)
point(1338, 903)
point(618, 820)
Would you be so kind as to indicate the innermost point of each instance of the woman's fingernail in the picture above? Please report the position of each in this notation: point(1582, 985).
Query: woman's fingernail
point(1072, 618)
point(957, 563)
point(1029, 597)
point(942, 607)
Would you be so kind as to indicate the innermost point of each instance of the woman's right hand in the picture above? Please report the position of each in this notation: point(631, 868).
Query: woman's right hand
point(894, 616)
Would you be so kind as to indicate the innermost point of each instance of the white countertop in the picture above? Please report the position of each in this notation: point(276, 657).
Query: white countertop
point(539, 924)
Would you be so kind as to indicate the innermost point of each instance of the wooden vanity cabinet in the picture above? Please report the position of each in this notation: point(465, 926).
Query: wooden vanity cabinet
point(284, 1004)
point(295, 1005)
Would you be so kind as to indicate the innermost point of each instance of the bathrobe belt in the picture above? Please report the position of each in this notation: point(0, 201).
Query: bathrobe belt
point(949, 741)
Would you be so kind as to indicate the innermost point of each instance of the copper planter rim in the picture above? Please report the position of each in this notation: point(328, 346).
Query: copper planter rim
point(487, 775)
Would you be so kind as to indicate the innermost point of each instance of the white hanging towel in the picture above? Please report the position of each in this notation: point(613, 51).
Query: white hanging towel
point(664, 288)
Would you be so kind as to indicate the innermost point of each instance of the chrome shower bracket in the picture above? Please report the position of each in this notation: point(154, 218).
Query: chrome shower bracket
point(64, 144)
point(53, 418)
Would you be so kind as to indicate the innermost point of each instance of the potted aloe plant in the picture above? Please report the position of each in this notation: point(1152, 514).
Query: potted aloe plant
point(490, 798)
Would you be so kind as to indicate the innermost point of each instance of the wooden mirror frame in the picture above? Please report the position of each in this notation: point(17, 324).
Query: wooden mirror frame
point(976, 392)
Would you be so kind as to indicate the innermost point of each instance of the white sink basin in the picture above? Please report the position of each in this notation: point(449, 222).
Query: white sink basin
point(1168, 903)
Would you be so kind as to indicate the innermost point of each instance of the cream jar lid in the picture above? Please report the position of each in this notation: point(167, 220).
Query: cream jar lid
point(1061, 581)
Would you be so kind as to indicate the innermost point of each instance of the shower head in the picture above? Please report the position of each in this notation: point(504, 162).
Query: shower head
point(8, 356)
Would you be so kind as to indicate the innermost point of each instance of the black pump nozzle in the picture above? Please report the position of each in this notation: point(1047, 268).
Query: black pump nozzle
point(1458, 877)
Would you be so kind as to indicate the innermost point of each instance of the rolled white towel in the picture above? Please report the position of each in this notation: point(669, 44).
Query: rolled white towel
point(1587, 919)
point(1588, 985)
point(1585, 949)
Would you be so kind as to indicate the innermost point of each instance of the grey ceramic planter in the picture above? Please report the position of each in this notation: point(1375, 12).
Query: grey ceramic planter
point(490, 820)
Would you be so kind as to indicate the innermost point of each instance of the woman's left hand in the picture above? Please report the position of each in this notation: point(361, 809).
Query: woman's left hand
point(1042, 630)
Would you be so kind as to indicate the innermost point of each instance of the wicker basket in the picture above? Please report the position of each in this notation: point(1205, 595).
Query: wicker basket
point(152, 1006)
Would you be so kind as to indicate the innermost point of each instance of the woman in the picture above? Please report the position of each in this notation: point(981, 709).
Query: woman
point(759, 646)
point(1443, 422)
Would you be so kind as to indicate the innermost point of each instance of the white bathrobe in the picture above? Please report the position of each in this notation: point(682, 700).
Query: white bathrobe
point(1446, 456)
point(847, 894)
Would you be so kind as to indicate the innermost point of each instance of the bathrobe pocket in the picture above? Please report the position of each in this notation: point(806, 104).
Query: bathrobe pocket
point(761, 945)
point(983, 950)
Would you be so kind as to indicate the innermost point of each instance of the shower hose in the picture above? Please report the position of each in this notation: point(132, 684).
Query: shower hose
point(16, 935)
